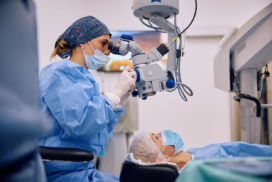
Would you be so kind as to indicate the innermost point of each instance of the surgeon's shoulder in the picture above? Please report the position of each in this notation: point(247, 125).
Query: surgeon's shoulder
point(64, 69)
point(64, 66)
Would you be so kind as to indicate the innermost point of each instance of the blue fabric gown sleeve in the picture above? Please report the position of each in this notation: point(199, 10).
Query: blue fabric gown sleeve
point(77, 106)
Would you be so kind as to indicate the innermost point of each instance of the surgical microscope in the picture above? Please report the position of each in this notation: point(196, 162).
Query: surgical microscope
point(152, 75)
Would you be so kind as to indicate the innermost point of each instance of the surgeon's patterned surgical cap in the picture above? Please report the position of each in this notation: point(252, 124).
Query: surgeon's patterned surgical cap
point(83, 30)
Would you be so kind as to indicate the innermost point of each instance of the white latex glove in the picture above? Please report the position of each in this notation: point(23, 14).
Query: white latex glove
point(115, 101)
point(124, 97)
point(125, 84)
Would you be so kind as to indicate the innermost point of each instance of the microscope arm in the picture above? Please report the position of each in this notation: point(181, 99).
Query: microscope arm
point(168, 27)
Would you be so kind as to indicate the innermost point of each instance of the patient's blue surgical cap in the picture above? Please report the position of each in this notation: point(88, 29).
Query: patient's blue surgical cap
point(83, 30)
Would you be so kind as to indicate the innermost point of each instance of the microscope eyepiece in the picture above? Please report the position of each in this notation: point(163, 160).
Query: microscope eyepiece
point(114, 47)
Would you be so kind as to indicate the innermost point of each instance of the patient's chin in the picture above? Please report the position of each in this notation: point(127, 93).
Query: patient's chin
point(168, 151)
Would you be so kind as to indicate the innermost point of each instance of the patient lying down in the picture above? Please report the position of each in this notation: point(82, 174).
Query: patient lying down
point(165, 146)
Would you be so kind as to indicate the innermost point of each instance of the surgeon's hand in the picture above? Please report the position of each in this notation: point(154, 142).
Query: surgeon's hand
point(125, 84)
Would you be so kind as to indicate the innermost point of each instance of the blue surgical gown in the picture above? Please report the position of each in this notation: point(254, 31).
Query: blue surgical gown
point(82, 119)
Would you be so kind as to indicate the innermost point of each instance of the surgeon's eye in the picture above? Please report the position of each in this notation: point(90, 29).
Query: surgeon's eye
point(104, 43)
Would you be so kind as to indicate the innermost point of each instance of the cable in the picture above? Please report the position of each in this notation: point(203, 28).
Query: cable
point(145, 23)
point(249, 97)
point(192, 20)
point(184, 30)
point(262, 79)
point(158, 29)
point(183, 89)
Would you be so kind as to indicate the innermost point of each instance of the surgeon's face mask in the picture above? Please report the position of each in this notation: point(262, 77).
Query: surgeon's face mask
point(97, 60)
point(170, 137)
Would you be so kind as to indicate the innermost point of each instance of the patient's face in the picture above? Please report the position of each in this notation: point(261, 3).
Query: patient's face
point(167, 150)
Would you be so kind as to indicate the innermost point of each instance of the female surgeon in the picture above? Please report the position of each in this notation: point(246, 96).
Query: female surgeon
point(83, 118)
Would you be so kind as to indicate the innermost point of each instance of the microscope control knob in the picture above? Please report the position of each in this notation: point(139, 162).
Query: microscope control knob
point(127, 37)
point(135, 93)
point(144, 97)
point(138, 75)
point(170, 83)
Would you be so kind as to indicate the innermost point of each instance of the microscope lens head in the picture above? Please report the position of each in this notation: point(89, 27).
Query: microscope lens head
point(114, 47)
